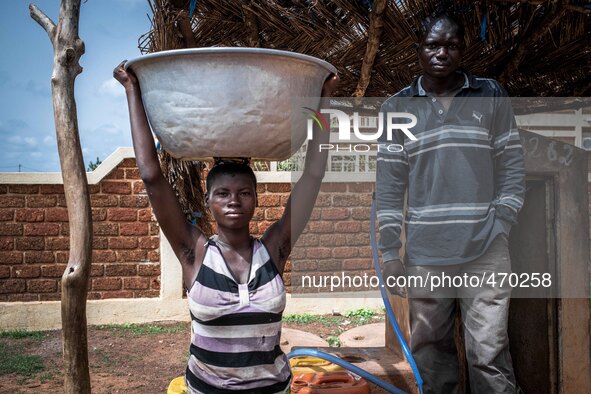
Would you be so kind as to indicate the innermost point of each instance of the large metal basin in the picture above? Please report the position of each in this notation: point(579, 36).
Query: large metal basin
point(229, 102)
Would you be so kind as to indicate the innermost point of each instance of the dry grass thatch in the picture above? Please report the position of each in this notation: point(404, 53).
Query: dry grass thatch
point(536, 48)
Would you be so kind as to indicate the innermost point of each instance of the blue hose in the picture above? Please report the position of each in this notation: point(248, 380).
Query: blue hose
point(335, 360)
point(356, 370)
point(389, 311)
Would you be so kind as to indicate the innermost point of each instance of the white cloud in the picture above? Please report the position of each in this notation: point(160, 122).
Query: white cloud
point(31, 141)
point(48, 140)
point(112, 88)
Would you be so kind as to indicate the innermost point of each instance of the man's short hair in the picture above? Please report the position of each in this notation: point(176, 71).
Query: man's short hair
point(428, 23)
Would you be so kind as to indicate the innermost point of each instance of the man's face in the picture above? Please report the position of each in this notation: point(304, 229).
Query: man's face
point(440, 52)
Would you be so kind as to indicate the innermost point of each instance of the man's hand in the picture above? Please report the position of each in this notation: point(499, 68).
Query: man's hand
point(330, 85)
point(125, 77)
point(393, 269)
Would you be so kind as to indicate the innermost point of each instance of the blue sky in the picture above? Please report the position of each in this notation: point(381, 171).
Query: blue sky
point(110, 30)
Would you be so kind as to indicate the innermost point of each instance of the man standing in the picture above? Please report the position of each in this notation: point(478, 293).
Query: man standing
point(464, 183)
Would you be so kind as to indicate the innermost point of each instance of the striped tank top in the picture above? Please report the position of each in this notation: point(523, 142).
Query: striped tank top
point(236, 328)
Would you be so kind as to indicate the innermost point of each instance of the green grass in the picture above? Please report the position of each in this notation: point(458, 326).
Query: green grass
point(308, 318)
point(20, 334)
point(333, 341)
point(144, 329)
point(21, 364)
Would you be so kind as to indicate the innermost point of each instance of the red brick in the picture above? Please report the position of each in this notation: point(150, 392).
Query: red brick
point(116, 187)
point(122, 214)
point(12, 286)
point(323, 200)
point(93, 189)
point(123, 243)
point(253, 228)
point(104, 256)
point(147, 294)
point(335, 214)
point(330, 265)
point(333, 240)
point(106, 284)
point(345, 200)
point(19, 297)
point(262, 187)
point(41, 201)
point(357, 264)
point(97, 269)
point(50, 297)
point(132, 255)
point(51, 189)
point(56, 215)
point(99, 214)
point(117, 294)
point(101, 200)
point(30, 243)
point(361, 187)
point(11, 229)
point(42, 229)
point(273, 213)
point(333, 187)
point(53, 271)
point(4, 271)
point(105, 228)
point(120, 270)
point(308, 240)
point(23, 189)
point(100, 243)
point(133, 228)
point(145, 215)
point(42, 257)
point(93, 295)
point(287, 278)
point(6, 243)
point(155, 283)
point(149, 242)
point(10, 258)
point(360, 239)
point(154, 255)
point(61, 201)
point(148, 269)
point(30, 215)
point(12, 202)
point(259, 214)
point(6, 214)
point(134, 201)
point(269, 200)
point(27, 271)
point(57, 243)
point(128, 163)
point(361, 213)
point(117, 173)
point(318, 253)
point(136, 283)
point(62, 257)
point(278, 187)
point(320, 227)
point(65, 229)
point(154, 229)
point(344, 253)
point(263, 226)
point(347, 227)
point(316, 212)
point(298, 252)
point(132, 173)
point(139, 187)
point(365, 252)
point(41, 285)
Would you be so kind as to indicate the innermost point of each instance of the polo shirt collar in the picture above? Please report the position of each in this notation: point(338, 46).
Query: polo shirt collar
point(470, 82)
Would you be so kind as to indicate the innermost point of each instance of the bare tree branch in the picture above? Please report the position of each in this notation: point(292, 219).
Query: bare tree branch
point(43, 20)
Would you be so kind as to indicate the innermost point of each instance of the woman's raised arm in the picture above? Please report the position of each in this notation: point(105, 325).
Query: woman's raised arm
point(283, 234)
point(179, 232)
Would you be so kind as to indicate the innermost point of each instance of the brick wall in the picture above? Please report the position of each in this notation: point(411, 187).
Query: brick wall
point(34, 239)
point(34, 236)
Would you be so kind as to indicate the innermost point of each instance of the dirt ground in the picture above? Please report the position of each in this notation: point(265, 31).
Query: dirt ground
point(125, 359)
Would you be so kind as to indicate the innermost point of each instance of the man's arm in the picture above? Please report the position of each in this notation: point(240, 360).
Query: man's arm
point(509, 164)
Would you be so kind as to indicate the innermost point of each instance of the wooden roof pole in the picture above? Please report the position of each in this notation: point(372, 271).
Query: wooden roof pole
point(250, 20)
point(376, 25)
point(67, 49)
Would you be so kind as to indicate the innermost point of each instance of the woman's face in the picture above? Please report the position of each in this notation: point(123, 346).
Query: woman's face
point(232, 200)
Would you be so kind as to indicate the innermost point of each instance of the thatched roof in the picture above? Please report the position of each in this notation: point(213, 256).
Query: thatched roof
point(535, 47)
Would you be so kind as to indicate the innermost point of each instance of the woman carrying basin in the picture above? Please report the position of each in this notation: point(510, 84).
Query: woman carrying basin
point(233, 280)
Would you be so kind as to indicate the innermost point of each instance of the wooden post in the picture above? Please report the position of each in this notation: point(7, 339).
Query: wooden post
point(67, 49)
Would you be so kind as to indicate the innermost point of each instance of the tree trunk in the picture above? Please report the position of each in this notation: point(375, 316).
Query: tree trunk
point(68, 48)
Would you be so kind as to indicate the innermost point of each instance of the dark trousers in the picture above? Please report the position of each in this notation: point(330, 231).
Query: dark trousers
point(484, 310)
